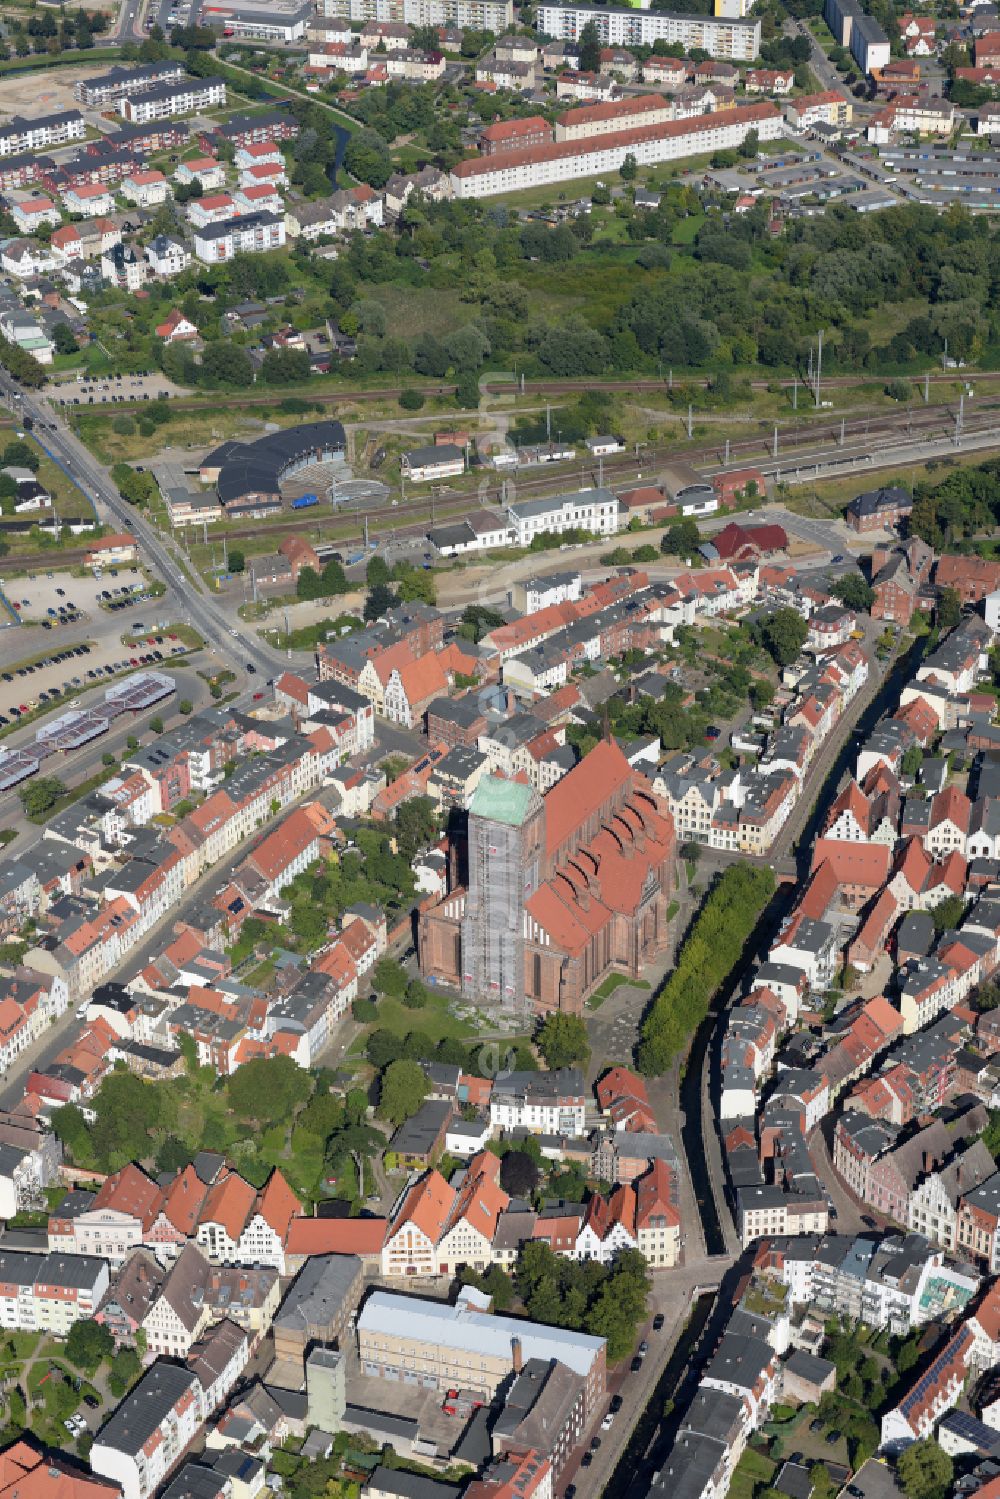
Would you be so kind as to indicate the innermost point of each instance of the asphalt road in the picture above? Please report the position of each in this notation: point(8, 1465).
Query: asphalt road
point(50, 430)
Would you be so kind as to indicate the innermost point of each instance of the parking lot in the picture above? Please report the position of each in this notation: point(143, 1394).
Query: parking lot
point(111, 391)
point(72, 668)
point(40, 598)
point(86, 635)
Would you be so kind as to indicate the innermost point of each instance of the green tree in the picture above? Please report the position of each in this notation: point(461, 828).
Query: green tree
point(761, 693)
point(589, 48)
point(70, 1126)
point(224, 363)
point(334, 578)
point(382, 1048)
point(925, 1470)
point(913, 758)
point(285, 367)
point(267, 1089)
point(416, 995)
point(711, 948)
point(309, 584)
point(366, 157)
point(389, 977)
point(948, 913)
point(629, 168)
point(40, 795)
point(185, 706)
point(988, 996)
point(949, 609)
point(495, 1282)
point(417, 586)
point(853, 591)
point(403, 1090)
point(237, 560)
point(172, 1154)
point(378, 601)
point(65, 340)
point(783, 634)
point(519, 1174)
point(562, 1040)
point(88, 1343)
point(125, 1370)
point(681, 538)
point(19, 454)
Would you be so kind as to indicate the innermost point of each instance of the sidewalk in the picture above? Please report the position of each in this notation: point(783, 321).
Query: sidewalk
point(673, 1295)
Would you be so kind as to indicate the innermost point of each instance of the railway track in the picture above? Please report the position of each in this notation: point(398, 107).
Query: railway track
point(531, 388)
point(410, 517)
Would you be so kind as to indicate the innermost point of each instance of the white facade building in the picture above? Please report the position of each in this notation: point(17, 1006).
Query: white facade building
point(536, 166)
point(593, 510)
point(733, 37)
point(148, 1433)
point(253, 234)
point(174, 99)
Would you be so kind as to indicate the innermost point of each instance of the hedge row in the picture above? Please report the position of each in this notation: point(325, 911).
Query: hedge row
point(715, 943)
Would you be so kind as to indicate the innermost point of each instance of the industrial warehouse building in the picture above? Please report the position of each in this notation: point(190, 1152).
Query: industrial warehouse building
point(248, 475)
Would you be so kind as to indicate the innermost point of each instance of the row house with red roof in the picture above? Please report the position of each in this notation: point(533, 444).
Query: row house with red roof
point(918, 882)
point(229, 1221)
point(866, 813)
point(934, 1392)
point(869, 941)
point(623, 1099)
point(959, 964)
point(257, 882)
point(889, 1097)
point(437, 1229)
point(977, 1228)
point(972, 578)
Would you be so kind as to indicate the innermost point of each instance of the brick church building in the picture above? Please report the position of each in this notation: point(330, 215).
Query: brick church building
point(557, 891)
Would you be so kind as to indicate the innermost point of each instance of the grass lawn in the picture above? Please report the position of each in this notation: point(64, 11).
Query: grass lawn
point(23, 1343)
point(433, 1020)
point(753, 1473)
point(686, 231)
point(198, 429)
point(411, 310)
point(610, 984)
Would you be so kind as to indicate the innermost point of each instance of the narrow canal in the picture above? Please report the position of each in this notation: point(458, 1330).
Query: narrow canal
point(639, 1461)
point(655, 1429)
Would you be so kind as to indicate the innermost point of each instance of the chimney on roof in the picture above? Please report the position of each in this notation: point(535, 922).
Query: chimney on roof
point(517, 1354)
